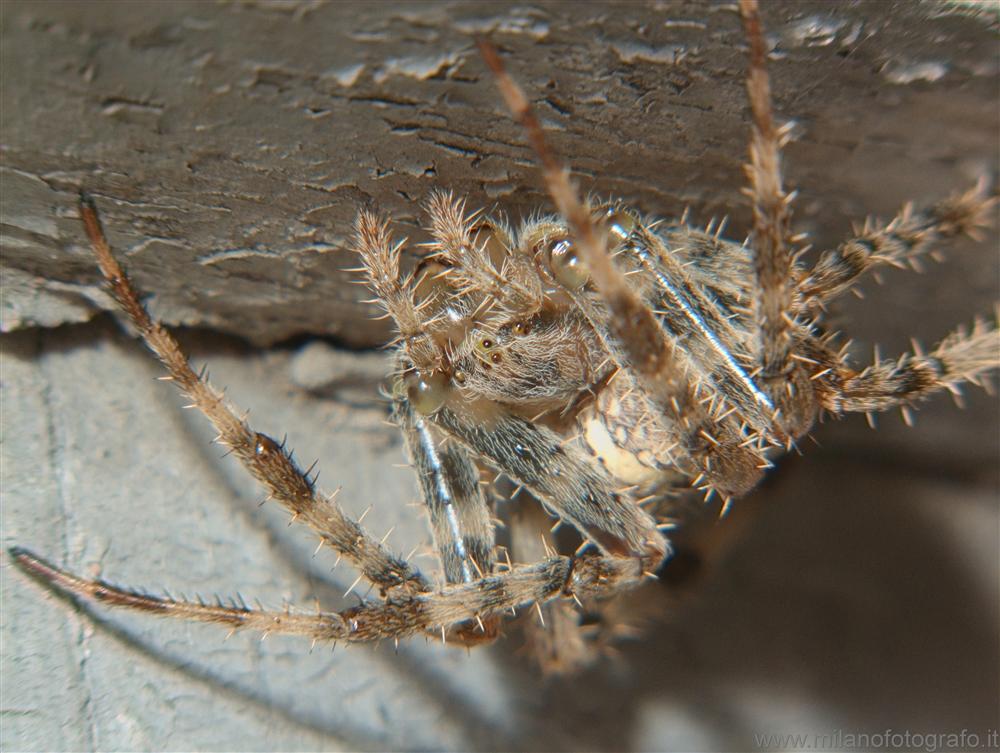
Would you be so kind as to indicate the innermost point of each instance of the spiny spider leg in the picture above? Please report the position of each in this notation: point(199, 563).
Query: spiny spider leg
point(563, 476)
point(266, 460)
point(902, 241)
point(482, 262)
point(772, 255)
point(723, 456)
point(380, 257)
point(717, 266)
point(460, 518)
point(787, 375)
point(400, 616)
point(708, 335)
point(960, 357)
point(553, 634)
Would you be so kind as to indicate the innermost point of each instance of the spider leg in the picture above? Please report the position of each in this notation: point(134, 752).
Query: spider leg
point(561, 475)
point(554, 636)
point(772, 256)
point(784, 374)
point(711, 339)
point(266, 460)
point(460, 517)
point(380, 256)
point(960, 357)
point(716, 265)
point(481, 263)
point(401, 615)
point(629, 328)
point(898, 243)
point(779, 374)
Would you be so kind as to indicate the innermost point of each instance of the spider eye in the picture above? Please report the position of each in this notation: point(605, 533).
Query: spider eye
point(484, 346)
point(487, 351)
point(567, 267)
point(426, 392)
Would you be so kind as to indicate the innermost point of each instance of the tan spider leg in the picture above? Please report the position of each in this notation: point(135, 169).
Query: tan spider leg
point(557, 644)
point(772, 256)
point(960, 357)
point(460, 517)
point(265, 459)
point(898, 243)
point(483, 264)
point(716, 265)
point(380, 256)
point(883, 385)
point(633, 334)
point(562, 476)
point(785, 378)
point(710, 339)
point(402, 615)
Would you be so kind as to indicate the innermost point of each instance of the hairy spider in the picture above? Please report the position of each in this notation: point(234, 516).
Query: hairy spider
point(608, 363)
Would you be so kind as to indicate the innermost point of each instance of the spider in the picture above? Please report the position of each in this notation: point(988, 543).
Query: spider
point(609, 363)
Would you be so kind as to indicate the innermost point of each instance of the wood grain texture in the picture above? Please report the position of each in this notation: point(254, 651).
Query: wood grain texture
point(230, 145)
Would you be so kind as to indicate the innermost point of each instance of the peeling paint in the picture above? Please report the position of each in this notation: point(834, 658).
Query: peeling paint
point(812, 31)
point(907, 73)
point(419, 68)
point(534, 28)
point(631, 52)
point(223, 255)
point(345, 77)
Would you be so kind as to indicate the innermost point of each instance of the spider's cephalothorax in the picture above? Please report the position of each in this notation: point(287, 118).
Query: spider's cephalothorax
point(605, 363)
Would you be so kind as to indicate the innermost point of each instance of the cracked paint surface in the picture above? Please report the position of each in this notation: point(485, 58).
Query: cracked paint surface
point(264, 127)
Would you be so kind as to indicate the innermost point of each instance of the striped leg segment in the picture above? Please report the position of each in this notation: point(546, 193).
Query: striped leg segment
point(399, 616)
point(461, 520)
point(266, 460)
